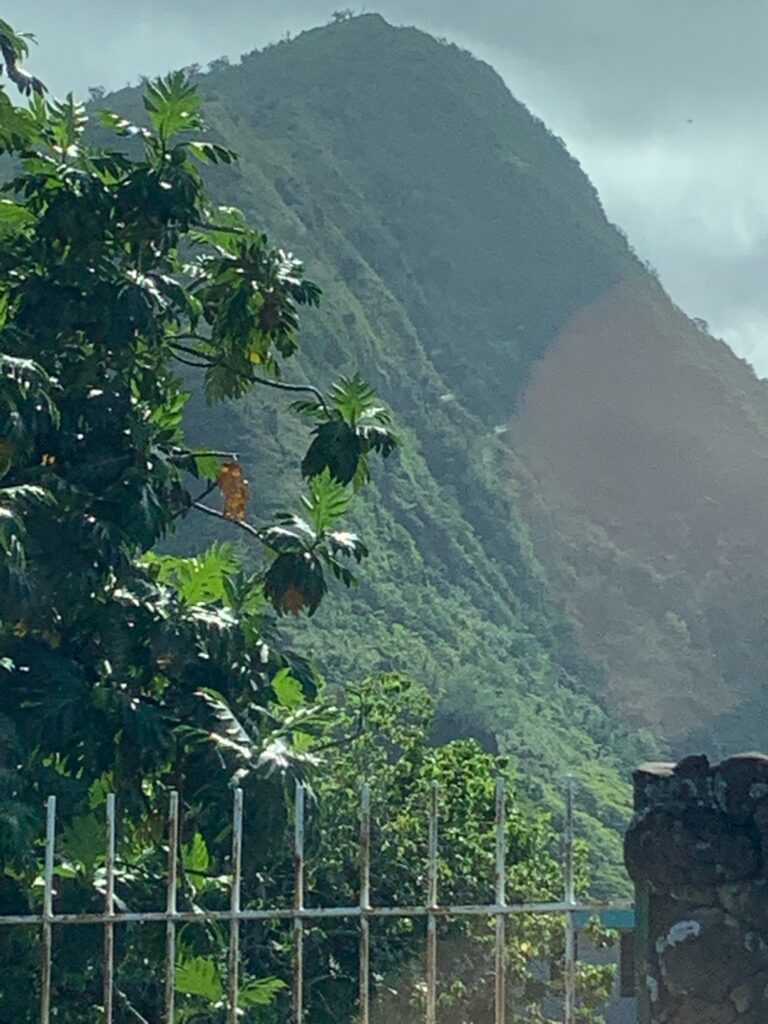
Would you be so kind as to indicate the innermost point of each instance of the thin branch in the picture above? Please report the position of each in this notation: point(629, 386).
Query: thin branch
point(189, 336)
point(221, 228)
point(188, 362)
point(203, 494)
point(210, 487)
point(252, 378)
point(130, 1007)
point(282, 386)
point(193, 351)
point(220, 515)
point(342, 740)
point(182, 453)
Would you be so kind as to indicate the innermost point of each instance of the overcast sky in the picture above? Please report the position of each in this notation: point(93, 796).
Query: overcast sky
point(664, 102)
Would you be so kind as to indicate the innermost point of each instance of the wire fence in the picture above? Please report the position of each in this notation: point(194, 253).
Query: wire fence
point(301, 916)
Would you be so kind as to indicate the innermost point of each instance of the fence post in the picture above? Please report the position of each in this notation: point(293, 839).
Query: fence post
point(50, 841)
point(570, 898)
point(501, 902)
point(365, 902)
point(432, 904)
point(109, 910)
point(298, 906)
point(233, 980)
point(170, 908)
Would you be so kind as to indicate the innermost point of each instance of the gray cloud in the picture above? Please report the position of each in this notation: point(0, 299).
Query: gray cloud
point(662, 101)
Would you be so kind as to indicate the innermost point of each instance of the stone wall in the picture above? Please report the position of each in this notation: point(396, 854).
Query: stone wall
point(697, 850)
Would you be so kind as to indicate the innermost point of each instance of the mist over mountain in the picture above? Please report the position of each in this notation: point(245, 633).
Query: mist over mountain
point(573, 541)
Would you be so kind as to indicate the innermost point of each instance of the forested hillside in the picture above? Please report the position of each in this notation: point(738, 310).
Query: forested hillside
point(451, 237)
point(556, 410)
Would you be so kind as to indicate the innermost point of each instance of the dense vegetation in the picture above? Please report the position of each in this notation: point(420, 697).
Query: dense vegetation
point(133, 670)
point(468, 264)
point(451, 236)
point(463, 252)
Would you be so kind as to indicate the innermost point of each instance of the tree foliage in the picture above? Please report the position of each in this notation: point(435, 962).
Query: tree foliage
point(125, 669)
point(115, 270)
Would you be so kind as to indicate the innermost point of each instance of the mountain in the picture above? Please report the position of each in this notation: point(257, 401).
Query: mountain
point(571, 547)
point(648, 441)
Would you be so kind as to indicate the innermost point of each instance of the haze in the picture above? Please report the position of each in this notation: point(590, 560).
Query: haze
point(663, 104)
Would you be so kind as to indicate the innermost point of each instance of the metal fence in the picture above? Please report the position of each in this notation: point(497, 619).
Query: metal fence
point(300, 915)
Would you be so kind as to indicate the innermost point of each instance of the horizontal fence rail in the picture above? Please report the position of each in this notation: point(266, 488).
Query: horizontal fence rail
point(299, 915)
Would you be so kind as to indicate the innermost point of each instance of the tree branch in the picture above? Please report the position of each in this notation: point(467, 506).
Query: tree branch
point(229, 229)
point(178, 347)
point(182, 453)
point(252, 378)
point(220, 515)
point(130, 1007)
point(282, 386)
point(203, 494)
point(188, 362)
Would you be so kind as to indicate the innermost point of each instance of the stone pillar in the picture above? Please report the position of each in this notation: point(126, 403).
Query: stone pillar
point(697, 850)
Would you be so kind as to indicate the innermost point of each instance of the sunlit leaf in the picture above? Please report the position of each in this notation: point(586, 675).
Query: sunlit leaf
point(212, 153)
point(287, 689)
point(194, 855)
point(198, 976)
point(328, 500)
point(234, 487)
point(173, 104)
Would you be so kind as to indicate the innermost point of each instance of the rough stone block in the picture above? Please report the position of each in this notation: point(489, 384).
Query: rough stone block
point(698, 847)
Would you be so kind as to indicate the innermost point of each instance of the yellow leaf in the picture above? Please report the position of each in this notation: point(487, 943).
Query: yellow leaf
point(235, 489)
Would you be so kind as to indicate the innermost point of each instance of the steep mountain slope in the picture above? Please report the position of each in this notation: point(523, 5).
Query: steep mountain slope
point(649, 443)
point(556, 409)
point(382, 194)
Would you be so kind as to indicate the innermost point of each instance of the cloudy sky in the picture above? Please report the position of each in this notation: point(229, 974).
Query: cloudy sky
point(662, 101)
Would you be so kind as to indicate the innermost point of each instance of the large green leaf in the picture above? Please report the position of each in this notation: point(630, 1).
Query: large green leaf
point(288, 690)
point(328, 500)
point(173, 105)
point(198, 976)
point(13, 218)
point(261, 992)
point(194, 855)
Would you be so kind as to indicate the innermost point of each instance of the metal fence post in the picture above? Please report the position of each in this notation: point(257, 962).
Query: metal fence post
point(501, 903)
point(298, 906)
point(170, 908)
point(365, 902)
point(47, 950)
point(570, 898)
point(109, 910)
point(233, 979)
point(432, 903)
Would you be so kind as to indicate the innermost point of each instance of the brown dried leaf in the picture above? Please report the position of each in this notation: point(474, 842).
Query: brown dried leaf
point(292, 601)
point(234, 487)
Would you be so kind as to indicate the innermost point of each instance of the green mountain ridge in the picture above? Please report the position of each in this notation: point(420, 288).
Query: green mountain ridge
point(461, 250)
